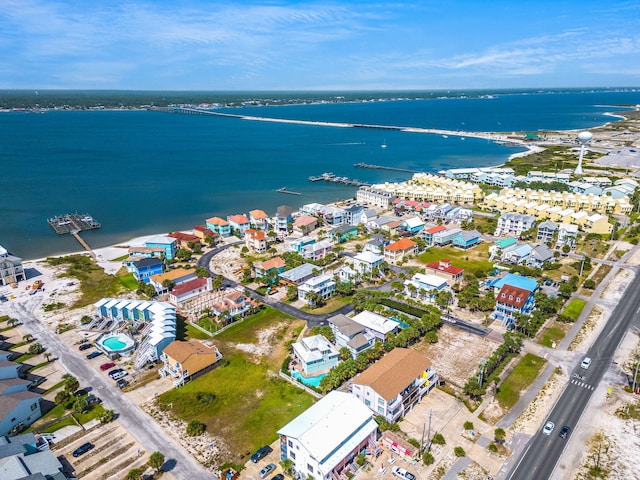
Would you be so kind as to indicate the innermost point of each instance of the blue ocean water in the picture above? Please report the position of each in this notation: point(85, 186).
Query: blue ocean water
point(139, 172)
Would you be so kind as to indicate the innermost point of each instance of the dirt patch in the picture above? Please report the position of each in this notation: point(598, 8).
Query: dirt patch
point(588, 329)
point(267, 341)
point(493, 412)
point(457, 354)
point(617, 286)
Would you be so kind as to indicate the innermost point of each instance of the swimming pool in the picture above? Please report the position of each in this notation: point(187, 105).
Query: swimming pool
point(311, 381)
point(116, 343)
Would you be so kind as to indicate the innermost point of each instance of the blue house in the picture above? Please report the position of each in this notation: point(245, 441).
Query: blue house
point(168, 243)
point(146, 267)
point(343, 233)
point(511, 300)
point(518, 281)
point(467, 239)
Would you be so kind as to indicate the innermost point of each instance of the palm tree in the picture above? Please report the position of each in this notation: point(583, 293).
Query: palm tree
point(134, 474)
point(156, 460)
point(12, 322)
point(47, 356)
point(35, 348)
point(27, 337)
point(71, 384)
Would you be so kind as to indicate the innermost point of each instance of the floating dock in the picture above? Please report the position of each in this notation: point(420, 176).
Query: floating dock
point(382, 167)
point(333, 178)
point(73, 223)
point(286, 190)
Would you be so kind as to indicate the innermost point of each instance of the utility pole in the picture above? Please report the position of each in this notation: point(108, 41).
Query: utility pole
point(635, 375)
point(582, 264)
point(429, 434)
point(481, 373)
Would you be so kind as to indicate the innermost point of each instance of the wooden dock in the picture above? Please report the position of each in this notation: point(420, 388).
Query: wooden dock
point(382, 167)
point(74, 223)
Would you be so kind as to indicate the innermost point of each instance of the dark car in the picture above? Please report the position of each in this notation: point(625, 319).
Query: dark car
point(565, 431)
point(122, 383)
point(278, 476)
point(85, 346)
point(261, 453)
point(95, 354)
point(82, 449)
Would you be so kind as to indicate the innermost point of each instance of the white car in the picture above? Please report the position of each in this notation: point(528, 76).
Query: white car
point(548, 428)
point(402, 473)
point(585, 363)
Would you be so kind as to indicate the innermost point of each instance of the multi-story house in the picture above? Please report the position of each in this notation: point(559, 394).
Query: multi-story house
point(546, 231)
point(374, 196)
point(428, 233)
point(185, 240)
point(467, 239)
point(232, 304)
point(393, 385)
point(366, 261)
point(514, 224)
point(323, 285)
point(316, 251)
point(167, 243)
point(19, 406)
point(299, 275)
point(350, 334)
point(284, 216)
point(398, 250)
point(219, 225)
point(567, 234)
point(511, 300)
point(163, 282)
point(185, 361)
point(333, 216)
point(425, 286)
point(259, 219)
point(445, 237)
point(146, 267)
point(11, 270)
point(443, 268)
point(353, 214)
point(185, 292)
point(324, 441)
point(239, 223)
point(256, 240)
point(305, 224)
point(264, 269)
point(315, 354)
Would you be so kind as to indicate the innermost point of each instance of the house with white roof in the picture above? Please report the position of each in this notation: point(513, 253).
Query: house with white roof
point(324, 440)
point(425, 286)
point(315, 354)
point(377, 324)
point(316, 251)
point(567, 234)
point(323, 285)
point(11, 270)
point(366, 261)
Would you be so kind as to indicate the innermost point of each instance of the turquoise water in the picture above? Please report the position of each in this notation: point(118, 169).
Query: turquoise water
point(140, 172)
point(112, 343)
point(311, 381)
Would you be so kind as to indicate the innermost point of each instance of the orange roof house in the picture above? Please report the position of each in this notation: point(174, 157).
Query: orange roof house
point(185, 360)
point(398, 250)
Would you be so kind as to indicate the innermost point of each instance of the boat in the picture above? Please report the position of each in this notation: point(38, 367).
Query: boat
point(445, 136)
point(384, 143)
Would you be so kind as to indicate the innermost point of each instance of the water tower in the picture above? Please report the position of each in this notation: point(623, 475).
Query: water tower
point(584, 138)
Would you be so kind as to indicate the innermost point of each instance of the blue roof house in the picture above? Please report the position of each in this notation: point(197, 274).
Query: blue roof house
point(518, 281)
point(146, 267)
point(467, 239)
point(168, 243)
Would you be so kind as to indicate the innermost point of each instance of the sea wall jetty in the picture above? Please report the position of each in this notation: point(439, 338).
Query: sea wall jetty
point(500, 138)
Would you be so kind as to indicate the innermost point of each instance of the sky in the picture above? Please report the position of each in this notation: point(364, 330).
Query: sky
point(318, 45)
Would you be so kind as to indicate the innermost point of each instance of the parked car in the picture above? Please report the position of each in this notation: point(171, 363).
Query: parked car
point(586, 363)
point(85, 346)
point(267, 470)
point(119, 375)
point(261, 453)
point(278, 476)
point(548, 428)
point(403, 473)
point(565, 431)
point(107, 366)
point(112, 373)
point(122, 383)
point(95, 354)
point(82, 449)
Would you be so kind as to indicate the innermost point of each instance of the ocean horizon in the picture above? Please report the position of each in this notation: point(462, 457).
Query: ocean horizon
point(139, 172)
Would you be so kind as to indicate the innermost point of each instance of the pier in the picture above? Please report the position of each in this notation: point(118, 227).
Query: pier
point(74, 223)
point(286, 190)
point(333, 178)
point(382, 167)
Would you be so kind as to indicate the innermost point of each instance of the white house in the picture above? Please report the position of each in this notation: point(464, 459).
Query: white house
point(315, 354)
point(323, 285)
point(394, 384)
point(366, 261)
point(11, 270)
point(350, 334)
point(514, 224)
point(425, 286)
point(377, 324)
point(324, 440)
point(567, 234)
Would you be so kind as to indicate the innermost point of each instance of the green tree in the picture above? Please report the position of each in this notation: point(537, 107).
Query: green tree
point(183, 254)
point(566, 248)
point(35, 348)
point(195, 428)
point(438, 439)
point(156, 460)
point(168, 284)
point(47, 356)
point(459, 452)
point(71, 384)
point(202, 272)
point(499, 435)
point(287, 465)
point(134, 474)
point(345, 353)
point(427, 458)
point(468, 425)
point(107, 416)
point(80, 405)
point(12, 322)
point(62, 397)
point(27, 337)
point(292, 292)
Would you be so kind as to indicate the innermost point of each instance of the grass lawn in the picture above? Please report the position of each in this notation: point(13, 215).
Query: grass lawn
point(553, 333)
point(94, 282)
point(128, 281)
point(193, 332)
point(246, 331)
point(574, 309)
point(242, 400)
point(519, 379)
point(473, 260)
point(332, 305)
point(120, 259)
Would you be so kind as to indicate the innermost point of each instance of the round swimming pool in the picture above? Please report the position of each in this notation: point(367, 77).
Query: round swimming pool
point(117, 343)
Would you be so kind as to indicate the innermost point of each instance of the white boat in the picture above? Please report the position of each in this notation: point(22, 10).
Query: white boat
point(445, 136)
point(384, 144)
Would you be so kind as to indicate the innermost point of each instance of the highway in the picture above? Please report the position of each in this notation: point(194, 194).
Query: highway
point(541, 455)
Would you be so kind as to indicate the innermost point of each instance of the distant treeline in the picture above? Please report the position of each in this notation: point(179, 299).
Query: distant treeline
point(85, 99)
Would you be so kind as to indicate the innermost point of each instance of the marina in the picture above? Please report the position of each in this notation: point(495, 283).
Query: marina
point(333, 178)
point(73, 222)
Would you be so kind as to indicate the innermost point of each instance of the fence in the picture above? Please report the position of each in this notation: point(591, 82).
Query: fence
point(293, 381)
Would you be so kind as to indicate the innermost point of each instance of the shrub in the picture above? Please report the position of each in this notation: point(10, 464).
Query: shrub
point(492, 447)
point(438, 439)
point(195, 428)
point(459, 452)
point(468, 425)
point(414, 442)
point(427, 458)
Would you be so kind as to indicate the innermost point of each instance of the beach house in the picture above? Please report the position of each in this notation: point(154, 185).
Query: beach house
point(185, 292)
point(145, 268)
point(343, 233)
point(511, 300)
point(350, 334)
point(539, 255)
point(366, 261)
point(467, 239)
point(163, 282)
point(230, 304)
point(314, 354)
point(284, 217)
point(256, 240)
point(296, 244)
point(428, 233)
point(445, 237)
point(186, 360)
point(168, 244)
point(443, 268)
point(274, 266)
point(299, 275)
point(324, 440)
point(322, 285)
point(353, 214)
point(11, 270)
point(304, 224)
point(374, 196)
point(425, 286)
point(316, 251)
point(28, 457)
point(259, 219)
point(185, 240)
point(19, 407)
point(400, 249)
point(239, 224)
point(393, 385)
point(567, 234)
point(546, 231)
point(219, 225)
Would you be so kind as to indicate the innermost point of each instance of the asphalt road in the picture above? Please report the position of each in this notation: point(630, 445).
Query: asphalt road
point(132, 418)
point(541, 455)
